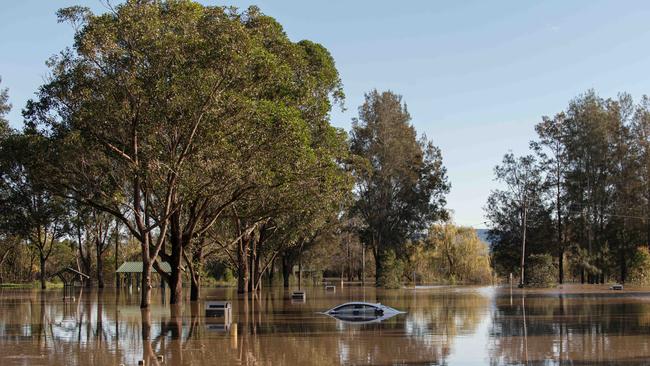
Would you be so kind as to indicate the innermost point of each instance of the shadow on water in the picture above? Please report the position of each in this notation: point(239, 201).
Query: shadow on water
point(453, 326)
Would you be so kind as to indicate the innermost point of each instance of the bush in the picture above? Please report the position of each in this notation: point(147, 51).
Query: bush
point(540, 271)
point(639, 271)
point(392, 271)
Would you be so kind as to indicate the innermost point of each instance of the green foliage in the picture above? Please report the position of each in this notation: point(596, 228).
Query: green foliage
point(517, 212)
point(582, 263)
point(401, 182)
point(63, 255)
point(450, 254)
point(30, 210)
point(639, 270)
point(392, 271)
point(540, 271)
point(228, 276)
point(591, 191)
point(208, 122)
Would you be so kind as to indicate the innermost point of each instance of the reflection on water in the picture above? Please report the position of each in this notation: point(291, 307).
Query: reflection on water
point(452, 326)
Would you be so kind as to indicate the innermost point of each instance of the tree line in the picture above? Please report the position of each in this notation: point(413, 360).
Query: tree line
point(581, 196)
point(182, 133)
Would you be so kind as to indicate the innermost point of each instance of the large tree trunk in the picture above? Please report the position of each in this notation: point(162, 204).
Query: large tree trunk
point(242, 266)
point(177, 245)
point(196, 267)
point(379, 266)
point(176, 278)
point(623, 267)
point(42, 274)
point(561, 264)
point(100, 268)
point(255, 282)
point(252, 266)
point(271, 272)
point(81, 266)
point(195, 288)
point(145, 288)
point(286, 271)
point(2, 261)
point(257, 275)
point(147, 350)
point(452, 270)
point(379, 269)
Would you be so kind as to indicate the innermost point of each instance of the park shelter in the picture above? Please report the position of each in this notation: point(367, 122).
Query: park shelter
point(68, 276)
point(129, 268)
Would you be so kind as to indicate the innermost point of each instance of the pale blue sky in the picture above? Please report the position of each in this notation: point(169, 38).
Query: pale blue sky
point(476, 75)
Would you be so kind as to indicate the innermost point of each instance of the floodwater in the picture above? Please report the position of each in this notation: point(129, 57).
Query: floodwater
point(441, 326)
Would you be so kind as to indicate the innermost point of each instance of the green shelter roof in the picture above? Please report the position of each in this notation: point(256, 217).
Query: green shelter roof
point(136, 267)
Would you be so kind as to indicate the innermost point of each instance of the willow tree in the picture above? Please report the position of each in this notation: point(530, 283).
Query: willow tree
point(166, 113)
point(401, 185)
point(457, 253)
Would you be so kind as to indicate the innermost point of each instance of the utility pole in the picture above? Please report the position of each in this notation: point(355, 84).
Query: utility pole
point(523, 240)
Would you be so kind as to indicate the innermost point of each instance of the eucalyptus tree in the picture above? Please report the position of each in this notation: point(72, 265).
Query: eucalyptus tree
point(282, 219)
point(29, 209)
point(7, 240)
point(511, 207)
point(592, 125)
point(552, 152)
point(300, 232)
point(593, 161)
point(401, 182)
point(93, 229)
point(640, 134)
point(625, 227)
point(166, 113)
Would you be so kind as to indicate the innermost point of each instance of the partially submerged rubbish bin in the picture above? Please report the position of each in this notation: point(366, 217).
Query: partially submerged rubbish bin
point(218, 315)
point(218, 309)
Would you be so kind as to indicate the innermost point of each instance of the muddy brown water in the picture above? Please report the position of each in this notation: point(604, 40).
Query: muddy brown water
point(442, 326)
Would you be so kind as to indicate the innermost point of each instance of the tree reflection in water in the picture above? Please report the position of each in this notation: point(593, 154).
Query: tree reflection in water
point(441, 326)
point(551, 328)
